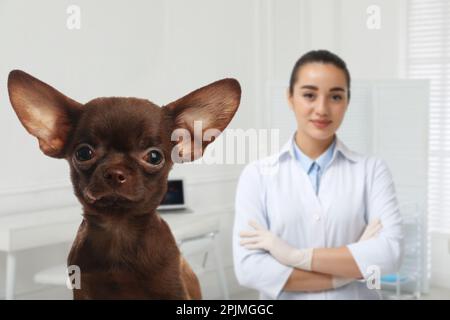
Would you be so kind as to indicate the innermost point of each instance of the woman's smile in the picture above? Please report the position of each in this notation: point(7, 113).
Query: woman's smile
point(321, 124)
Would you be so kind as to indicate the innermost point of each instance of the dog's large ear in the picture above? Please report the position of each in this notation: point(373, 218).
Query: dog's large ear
point(46, 113)
point(201, 116)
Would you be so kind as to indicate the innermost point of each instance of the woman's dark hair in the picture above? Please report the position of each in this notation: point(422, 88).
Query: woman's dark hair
point(321, 56)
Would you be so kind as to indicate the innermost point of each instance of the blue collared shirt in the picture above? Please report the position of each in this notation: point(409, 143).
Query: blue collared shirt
point(314, 168)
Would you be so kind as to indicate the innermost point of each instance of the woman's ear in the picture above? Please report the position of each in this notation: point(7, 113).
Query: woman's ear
point(201, 116)
point(289, 99)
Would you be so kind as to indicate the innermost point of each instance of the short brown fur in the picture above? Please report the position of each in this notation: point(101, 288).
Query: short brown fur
point(124, 249)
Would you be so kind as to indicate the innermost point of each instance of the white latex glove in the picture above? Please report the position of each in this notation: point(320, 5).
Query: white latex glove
point(372, 230)
point(261, 238)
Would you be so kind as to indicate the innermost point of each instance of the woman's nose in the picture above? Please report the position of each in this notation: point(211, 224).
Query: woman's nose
point(321, 106)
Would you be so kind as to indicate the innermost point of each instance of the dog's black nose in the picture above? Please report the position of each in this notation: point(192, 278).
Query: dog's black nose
point(115, 176)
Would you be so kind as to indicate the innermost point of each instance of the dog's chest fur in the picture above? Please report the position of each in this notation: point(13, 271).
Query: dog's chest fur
point(117, 264)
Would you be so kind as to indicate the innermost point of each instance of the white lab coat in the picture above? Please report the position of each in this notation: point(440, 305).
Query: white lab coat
point(354, 189)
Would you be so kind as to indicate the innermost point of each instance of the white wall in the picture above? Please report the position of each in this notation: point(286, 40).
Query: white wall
point(158, 50)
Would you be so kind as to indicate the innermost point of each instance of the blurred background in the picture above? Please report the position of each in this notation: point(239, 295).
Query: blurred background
point(398, 53)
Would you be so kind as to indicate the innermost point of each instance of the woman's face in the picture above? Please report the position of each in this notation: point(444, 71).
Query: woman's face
point(319, 100)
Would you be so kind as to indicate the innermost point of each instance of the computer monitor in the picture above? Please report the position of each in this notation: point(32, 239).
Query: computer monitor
point(174, 197)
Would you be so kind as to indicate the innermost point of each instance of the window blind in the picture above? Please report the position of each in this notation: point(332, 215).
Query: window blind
point(428, 57)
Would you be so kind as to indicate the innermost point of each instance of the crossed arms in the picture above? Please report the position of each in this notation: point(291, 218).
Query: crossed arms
point(316, 268)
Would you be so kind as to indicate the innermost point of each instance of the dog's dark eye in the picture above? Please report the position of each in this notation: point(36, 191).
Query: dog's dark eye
point(154, 157)
point(84, 153)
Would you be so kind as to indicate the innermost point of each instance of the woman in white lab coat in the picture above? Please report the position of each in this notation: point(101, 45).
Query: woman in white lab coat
point(316, 220)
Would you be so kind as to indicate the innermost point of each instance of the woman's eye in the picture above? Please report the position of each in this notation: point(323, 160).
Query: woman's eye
point(154, 157)
point(308, 96)
point(337, 98)
point(84, 153)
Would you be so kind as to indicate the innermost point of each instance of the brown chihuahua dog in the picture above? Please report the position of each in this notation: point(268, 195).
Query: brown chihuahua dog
point(120, 152)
